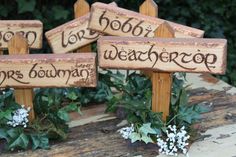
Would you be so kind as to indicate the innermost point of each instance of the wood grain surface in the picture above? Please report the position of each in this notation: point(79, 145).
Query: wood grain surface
point(48, 70)
point(165, 54)
point(32, 30)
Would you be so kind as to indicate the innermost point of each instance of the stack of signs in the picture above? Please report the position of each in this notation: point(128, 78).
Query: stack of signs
point(137, 49)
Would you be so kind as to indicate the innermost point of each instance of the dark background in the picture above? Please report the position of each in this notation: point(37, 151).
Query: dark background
point(217, 18)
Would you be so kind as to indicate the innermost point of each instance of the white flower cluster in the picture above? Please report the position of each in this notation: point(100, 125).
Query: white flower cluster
point(126, 131)
point(176, 141)
point(20, 117)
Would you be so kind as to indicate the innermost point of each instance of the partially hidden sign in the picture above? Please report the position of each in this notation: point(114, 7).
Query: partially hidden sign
point(121, 22)
point(165, 54)
point(48, 70)
point(71, 35)
point(32, 30)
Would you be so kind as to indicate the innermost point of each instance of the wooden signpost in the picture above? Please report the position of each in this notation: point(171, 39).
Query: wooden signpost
point(166, 55)
point(74, 35)
point(177, 54)
point(18, 36)
point(48, 70)
point(71, 36)
point(30, 29)
point(121, 22)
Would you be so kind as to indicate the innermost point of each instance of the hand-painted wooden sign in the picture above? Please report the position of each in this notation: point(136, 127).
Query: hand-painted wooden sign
point(48, 70)
point(31, 29)
point(71, 35)
point(121, 22)
point(165, 54)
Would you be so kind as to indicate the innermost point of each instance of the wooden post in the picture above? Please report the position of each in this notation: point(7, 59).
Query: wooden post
point(1, 52)
point(81, 7)
point(162, 81)
point(19, 45)
point(150, 8)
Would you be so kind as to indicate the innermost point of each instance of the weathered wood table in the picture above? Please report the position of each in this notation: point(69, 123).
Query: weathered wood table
point(100, 138)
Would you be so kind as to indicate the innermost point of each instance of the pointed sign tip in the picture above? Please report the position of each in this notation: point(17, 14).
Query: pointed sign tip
point(165, 30)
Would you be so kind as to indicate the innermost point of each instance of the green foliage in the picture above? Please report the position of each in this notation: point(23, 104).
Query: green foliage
point(144, 133)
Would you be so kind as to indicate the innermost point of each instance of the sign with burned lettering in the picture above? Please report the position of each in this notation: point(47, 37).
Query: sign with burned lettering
point(31, 29)
point(48, 70)
point(121, 22)
point(164, 54)
point(71, 35)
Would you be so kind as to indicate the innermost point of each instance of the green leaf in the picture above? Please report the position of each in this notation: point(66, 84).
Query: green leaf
point(72, 96)
point(26, 6)
point(3, 134)
point(39, 141)
point(135, 137)
point(59, 12)
point(20, 141)
point(183, 97)
point(146, 139)
point(14, 132)
point(146, 129)
point(3, 11)
point(70, 107)
point(63, 115)
point(79, 111)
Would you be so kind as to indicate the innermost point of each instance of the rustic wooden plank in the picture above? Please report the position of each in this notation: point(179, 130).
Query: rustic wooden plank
point(48, 70)
point(162, 81)
point(19, 45)
point(150, 8)
point(121, 22)
point(31, 29)
point(71, 35)
point(165, 54)
point(88, 138)
point(90, 114)
point(81, 7)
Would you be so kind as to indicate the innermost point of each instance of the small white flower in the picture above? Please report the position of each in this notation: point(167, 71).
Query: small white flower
point(20, 117)
point(175, 142)
point(126, 131)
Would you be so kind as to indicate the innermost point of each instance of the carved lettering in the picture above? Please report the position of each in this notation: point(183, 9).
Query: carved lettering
point(128, 26)
point(198, 55)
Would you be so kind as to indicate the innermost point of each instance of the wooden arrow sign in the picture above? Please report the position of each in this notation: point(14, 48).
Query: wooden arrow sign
point(71, 35)
point(165, 54)
point(48, 70)
point(30, 29)
point(121, 22)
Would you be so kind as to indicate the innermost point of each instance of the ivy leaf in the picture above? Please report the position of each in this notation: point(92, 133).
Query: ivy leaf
point(39, 141)
point(135, 137)
point(70, 107)
point(20, 141)
point(183, 98)
point(72, 96)
point(59, 12)
point(3, 134)
point(3, 11)
point(63, 115)
point(146, 129)
point(146, 139)
point(26, 6)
